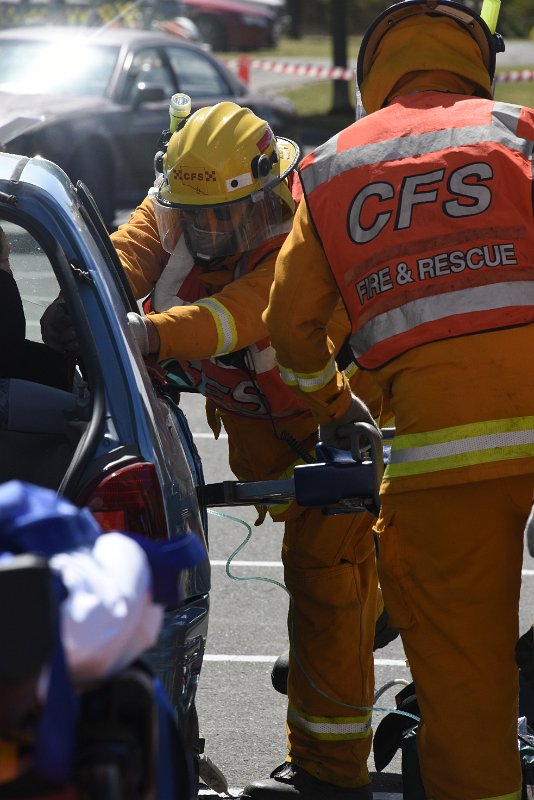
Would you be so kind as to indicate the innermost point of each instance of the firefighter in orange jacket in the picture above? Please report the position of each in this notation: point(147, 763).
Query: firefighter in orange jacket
point(420, 216)
point(205, 243)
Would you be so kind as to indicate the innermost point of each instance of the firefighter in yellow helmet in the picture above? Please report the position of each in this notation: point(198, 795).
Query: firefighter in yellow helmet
point(420, 216)
point(204, 244)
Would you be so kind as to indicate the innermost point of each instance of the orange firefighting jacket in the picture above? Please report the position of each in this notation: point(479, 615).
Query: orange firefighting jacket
point(431, 243)
point(258, 449)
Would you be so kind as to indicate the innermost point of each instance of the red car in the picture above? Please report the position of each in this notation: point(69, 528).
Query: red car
point(233, 25)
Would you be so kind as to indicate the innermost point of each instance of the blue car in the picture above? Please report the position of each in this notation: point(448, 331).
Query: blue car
point(95, 424)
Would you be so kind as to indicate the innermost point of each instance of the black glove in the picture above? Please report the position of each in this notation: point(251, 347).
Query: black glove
point(335, 434)
point(56, 327)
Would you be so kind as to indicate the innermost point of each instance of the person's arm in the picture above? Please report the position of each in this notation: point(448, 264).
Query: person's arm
point(302, 301)
point(222, 323)
point(139, 248)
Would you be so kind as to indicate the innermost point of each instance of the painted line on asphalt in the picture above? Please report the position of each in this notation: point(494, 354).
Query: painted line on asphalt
point(387, 796)
point(235, 792)
point(243, 659)
point(379, 662)
point(220, 562)
point(216, 562)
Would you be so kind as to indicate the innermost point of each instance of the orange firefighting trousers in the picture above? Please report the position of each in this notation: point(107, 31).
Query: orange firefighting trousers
point(330, 571)
point(450, 571)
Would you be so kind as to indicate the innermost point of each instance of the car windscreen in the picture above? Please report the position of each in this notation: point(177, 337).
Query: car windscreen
point(69, 69)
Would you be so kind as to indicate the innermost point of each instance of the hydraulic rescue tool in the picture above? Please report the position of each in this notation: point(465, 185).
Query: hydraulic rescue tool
point(340, 481)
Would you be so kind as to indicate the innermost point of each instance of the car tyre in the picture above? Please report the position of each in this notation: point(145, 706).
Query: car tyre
point(212, 32)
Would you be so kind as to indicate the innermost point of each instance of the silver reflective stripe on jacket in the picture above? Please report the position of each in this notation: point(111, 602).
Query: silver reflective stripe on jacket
point(328, 163)
point(417, 312)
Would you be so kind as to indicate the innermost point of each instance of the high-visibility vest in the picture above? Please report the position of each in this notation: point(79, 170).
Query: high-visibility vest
point(248, 381)
point(425, 213)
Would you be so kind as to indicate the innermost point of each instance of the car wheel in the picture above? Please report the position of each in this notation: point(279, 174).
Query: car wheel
point(93, 166)
point(212, 32)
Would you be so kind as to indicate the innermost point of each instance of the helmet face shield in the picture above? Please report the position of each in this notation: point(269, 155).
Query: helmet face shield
point(168, 221)
point(219, 231)
point(216, 231)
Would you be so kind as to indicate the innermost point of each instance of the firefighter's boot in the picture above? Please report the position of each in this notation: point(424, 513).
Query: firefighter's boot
point(290, 782)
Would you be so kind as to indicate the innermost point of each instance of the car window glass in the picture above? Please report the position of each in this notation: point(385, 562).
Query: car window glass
point(196, 74)
point(42, 67)
point(147, 67)
point(34, 277)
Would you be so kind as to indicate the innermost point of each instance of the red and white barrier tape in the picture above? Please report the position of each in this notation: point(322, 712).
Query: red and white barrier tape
point(515, 76)
point(243, 66)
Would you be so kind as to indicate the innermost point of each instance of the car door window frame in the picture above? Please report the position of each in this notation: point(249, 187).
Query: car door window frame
point(95, 222)
point(131, 81)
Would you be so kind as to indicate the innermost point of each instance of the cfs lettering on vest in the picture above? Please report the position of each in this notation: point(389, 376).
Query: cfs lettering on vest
point(378, 204)
point(426, 228)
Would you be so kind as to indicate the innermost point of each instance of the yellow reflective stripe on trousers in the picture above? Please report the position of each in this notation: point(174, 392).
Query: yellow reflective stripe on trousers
point(461, 446)
point(511, 796)
point(225, 324)
point(330, 728)
point(308, 381)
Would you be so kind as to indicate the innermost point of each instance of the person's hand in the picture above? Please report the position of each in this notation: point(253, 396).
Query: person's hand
point(145, 333)
point(337, 433)
point(57, 329)
point(529, 531)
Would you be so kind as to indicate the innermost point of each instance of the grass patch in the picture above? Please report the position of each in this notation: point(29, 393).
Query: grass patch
point(305, 48)
point(314, 103)
point(521, 93)
point(312, 99)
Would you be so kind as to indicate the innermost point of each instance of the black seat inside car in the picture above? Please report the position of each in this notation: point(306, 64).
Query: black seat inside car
point(31, 449)
point(20, 357)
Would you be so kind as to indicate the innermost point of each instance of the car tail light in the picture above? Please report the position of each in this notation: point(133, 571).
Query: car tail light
point(129, 499)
